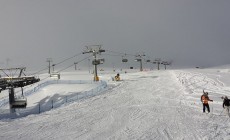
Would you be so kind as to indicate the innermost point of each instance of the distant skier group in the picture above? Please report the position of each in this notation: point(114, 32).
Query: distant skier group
point(205, 99)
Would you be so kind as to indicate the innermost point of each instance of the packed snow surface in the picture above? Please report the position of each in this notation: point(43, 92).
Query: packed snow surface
point(162, 104)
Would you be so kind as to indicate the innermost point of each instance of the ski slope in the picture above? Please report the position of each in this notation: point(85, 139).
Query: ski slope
point(144, 105)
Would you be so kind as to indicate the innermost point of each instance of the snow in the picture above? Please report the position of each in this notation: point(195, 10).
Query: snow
point(162, 104)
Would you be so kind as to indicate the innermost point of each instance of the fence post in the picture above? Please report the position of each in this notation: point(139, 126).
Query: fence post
point(52, 104)
point(66, 99)
point(39, 108)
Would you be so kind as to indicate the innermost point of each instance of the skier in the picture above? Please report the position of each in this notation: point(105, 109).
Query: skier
point(226, 104)
point(204, 99)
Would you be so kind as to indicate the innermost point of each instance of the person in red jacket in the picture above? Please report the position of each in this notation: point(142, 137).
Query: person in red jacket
point(205, 99)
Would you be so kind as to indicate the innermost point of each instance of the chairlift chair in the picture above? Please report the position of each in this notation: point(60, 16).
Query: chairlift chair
point(138, 60)
point(20, 102)
point(17, 102)
point(102, 60)
point(96, 62)
point(55, 75)
point(124, 60)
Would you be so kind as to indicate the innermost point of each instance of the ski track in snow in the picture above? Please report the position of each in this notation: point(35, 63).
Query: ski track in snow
point(147, 105)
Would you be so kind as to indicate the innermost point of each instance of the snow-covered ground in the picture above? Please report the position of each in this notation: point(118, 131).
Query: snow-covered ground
point(155, 104)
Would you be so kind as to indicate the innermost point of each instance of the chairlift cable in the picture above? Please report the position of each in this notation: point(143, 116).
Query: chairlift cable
point(56, 64)
point(124, 53)
point(74, 64)
point(68, 67)
point(68, 59)
point(5, 73)
point(15, 72)
point(112, 54)
point(10, 73)
point(39, 71)
point(121, 53)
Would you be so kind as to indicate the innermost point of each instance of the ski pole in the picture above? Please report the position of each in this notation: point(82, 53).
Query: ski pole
point(212, 110)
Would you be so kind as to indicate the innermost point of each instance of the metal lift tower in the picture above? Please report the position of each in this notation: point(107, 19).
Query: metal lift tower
point(95, 49)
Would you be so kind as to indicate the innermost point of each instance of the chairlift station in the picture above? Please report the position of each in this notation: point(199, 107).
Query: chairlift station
point(11, 82)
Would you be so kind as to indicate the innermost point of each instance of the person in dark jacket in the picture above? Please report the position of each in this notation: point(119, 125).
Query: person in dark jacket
point(226, 104)
point(205, 99)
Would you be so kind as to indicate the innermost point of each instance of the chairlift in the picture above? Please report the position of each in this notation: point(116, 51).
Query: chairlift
point(138, 60)
point(55, 75)
point(102, 60)
point(124, 60)
point(164, 62)
point(17, 102)
point(12, 82)
point(98, 61)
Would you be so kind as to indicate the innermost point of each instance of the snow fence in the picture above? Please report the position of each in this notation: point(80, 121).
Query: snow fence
point(42, 107)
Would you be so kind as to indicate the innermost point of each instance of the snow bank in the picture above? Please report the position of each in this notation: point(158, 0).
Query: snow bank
point(54, 102)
